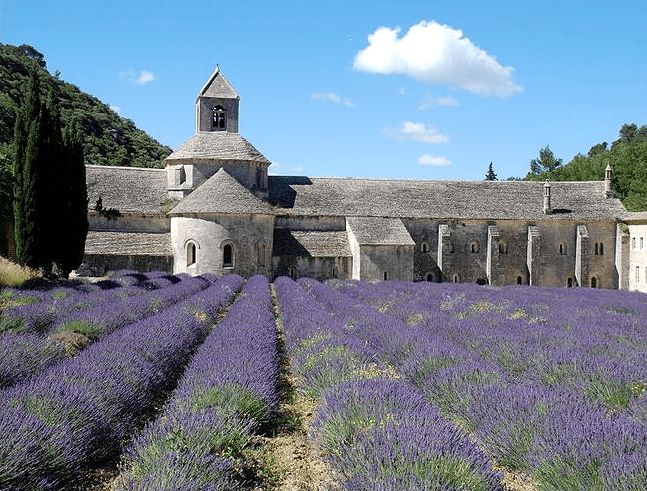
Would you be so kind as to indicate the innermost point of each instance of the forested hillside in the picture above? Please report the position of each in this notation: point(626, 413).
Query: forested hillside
point(108, 138)
point(627, 156)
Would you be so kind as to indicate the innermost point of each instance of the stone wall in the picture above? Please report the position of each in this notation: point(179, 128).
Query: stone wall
point(638, 256)
point(210, 235)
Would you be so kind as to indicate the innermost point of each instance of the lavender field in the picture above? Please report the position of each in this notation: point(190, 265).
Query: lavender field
point(177, 382)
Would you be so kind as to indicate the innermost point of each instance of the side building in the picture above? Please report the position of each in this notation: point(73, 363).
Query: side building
point(214, 208)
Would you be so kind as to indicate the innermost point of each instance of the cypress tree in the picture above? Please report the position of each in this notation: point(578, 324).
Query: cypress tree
point(74, 203)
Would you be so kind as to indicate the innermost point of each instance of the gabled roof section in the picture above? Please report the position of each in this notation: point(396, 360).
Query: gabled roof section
point(379, 231)
point(221, 194)
point(218, 86)
point(128, 189)
point(216, 145)
point(445, 200)
point(109, 243)
point(311, 243)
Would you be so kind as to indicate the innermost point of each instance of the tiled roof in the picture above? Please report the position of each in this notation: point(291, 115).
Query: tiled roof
point(445, 200)
point(128, 189)
point(310, 243)
point(636, 216)
point(221, 193)
point(379, 231)
point(128, 244)
point(215, 145)
point(218, 86)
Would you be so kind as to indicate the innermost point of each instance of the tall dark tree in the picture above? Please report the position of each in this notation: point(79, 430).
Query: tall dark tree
point(546, 162)
point(28, 163)
point(74, 203)
point(490, 175)
point(50, 227)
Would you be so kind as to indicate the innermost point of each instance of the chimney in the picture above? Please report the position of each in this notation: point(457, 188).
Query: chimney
point(547, 209)
point(608, 175)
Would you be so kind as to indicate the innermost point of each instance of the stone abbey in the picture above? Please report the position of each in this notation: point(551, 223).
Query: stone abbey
point(214, 209)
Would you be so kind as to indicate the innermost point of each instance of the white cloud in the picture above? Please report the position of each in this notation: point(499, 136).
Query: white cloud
point(416, 132)
point(332, 97)
point(116, 109)
point(426, 159)
point(141, 78)
point(430, 101)
point(438, 54)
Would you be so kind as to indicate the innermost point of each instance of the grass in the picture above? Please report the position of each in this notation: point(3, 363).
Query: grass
point(12, 274)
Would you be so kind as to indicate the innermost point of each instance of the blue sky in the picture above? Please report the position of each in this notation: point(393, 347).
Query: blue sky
point(388, 89)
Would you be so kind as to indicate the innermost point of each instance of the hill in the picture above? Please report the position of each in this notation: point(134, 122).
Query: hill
point(109, 139)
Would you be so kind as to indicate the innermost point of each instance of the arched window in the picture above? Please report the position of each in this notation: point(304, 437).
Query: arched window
point(430, 277)
point(292, 271)
point(334, 273)
point(503, 248)
point(594, 282)
point(190, 253)
point(519, 280)
point(601, 249)
point(386, 275)
point(219, 118)
point(633, 242)
point(424, 247)
point(474, 247)
point(596, 248)
point(227, 256)
point(260, 253)
point(562, 249)
point(569, 282)
point(457, 279)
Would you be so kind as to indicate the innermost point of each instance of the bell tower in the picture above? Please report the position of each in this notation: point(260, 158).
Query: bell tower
point(217, 105)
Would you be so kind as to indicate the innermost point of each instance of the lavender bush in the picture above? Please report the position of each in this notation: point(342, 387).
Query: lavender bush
point(378, 431)
point(229, 388)
point(79, 411)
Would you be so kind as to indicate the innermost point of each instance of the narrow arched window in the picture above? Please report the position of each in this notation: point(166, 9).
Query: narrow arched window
point(457, 279)
point(601, 249)
point(596, 248)
point(424, 247)
point(503, 248)
point(227, 256)
point(594, 282)
point(562, 249)
point(386, 275)
point(293, 272)
point(219, 118)
point(569, 282)
point(260, 252)
point(519, 280)
point(430, 277)
point(190, 254)
point(474, 247)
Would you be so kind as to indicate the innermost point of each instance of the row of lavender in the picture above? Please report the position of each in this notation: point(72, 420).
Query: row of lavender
point(226, 392)
point(547, 380)
point(78, 412)
point(29, 342)
point(378, 431)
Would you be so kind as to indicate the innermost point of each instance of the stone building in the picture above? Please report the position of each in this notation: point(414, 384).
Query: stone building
point(214, 208)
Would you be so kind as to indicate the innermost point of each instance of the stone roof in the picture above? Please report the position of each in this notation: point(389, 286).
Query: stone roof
point(636, 216)
point(221, 193)
point(128, 189)
point(215, 145)
point(311, 243)
point(218, 86)
point(128, 244)
point(444, 200)
point(379, 231)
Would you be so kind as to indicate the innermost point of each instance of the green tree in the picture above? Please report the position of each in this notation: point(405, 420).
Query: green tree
point(74, 203)
point(546, 162)
point(50, 199)
point(490, 175)
point(598, 149)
